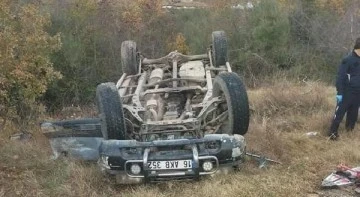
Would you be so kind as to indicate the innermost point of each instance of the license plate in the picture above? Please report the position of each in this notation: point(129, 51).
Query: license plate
point(174, 164)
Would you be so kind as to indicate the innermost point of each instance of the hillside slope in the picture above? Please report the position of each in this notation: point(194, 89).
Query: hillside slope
point(282, 114)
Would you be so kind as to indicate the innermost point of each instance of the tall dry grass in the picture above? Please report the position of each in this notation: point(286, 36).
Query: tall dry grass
point(281, 116)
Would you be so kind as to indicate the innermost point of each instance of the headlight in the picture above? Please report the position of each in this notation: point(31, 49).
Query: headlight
point(135, 169)
point(239, 146)
point(207, 166)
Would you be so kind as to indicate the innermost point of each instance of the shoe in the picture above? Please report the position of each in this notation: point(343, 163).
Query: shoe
point(334, 136)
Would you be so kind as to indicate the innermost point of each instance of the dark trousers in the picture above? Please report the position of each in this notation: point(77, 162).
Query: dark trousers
point(350, 106)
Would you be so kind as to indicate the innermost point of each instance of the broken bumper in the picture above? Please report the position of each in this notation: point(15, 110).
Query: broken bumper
point(130, 161)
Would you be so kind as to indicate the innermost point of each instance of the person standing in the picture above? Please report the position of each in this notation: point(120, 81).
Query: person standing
point(348, 92)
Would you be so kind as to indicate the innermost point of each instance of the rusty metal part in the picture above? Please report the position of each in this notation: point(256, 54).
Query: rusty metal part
point(175, 56)
point(209, 83)
point(175, 83)
point(141, 82)
point(175, 79)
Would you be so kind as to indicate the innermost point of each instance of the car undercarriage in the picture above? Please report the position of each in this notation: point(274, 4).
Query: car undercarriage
point(175, 117)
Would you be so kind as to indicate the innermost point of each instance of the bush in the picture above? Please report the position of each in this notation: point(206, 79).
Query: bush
point(25, 64)
point(288, 98)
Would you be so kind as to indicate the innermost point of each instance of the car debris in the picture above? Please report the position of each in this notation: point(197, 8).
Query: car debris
point(343, 176)
point(177, 117)
point(79, 139)
point(21, 136)
point(312, 134)
point(262, 160)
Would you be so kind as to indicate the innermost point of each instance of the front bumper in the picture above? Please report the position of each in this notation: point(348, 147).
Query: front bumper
point(221, 151)
point(82, 139)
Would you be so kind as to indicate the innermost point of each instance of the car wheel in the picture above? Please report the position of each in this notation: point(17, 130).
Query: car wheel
point(219, 48)
point(111, 112)
point(129, 58)
point(230, 87)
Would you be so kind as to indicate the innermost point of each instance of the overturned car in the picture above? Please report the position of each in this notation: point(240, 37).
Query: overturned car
point(176, 117)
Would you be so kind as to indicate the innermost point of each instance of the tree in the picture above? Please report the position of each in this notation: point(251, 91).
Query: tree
point(179, 44)
point(265, 40)
point(25, 66)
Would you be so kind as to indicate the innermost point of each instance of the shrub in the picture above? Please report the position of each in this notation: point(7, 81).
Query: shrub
point(25, 65)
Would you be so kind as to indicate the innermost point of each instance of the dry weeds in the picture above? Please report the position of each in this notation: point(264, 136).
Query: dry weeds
point(281, 116)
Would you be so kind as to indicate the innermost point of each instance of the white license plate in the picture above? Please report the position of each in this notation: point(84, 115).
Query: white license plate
point(174, 164)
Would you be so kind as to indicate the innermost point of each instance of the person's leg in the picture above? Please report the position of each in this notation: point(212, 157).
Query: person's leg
point(340, 111)
point(357, 106)
point(351, 116)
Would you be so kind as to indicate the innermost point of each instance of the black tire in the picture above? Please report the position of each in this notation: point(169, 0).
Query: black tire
point(237, 104)
point(111, 112)
point(129, 58)
point(219, 48)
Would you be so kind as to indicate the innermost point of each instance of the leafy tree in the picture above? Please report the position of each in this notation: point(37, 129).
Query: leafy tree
point(265, 40)
point(26, 69)
point(179, 44)
point(90, 53)
point(270, 26)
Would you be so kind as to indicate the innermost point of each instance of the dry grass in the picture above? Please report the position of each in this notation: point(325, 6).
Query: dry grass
point(282, 115)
